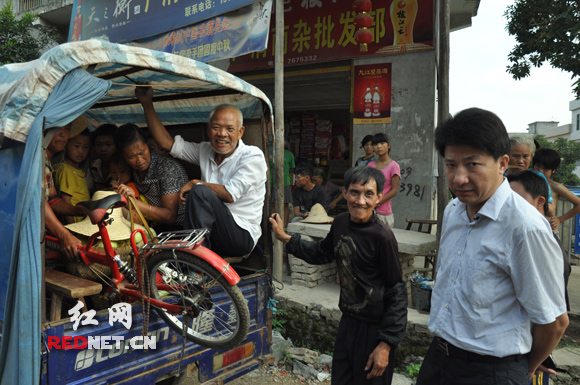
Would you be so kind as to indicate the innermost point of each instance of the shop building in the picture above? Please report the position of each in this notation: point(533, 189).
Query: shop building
point(327, 79)
point(335, 93)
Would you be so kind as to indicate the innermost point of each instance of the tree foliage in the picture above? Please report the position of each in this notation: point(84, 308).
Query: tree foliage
point(20, 39)
point(545, 31)
point(570, 154)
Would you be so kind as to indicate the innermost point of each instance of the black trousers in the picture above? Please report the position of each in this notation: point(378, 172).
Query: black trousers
point(355, 341)
point(203, 209)
point(439, 369)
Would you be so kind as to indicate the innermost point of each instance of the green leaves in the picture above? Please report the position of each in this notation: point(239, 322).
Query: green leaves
point(545, 31)
point(20, 39)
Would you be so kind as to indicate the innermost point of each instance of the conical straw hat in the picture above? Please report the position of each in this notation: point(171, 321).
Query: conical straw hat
point(78, 125)
point(317, 215)
point(119, 229)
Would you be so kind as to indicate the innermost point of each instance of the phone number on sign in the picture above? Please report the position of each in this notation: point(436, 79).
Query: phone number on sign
point(302, 59)
point(417, 190)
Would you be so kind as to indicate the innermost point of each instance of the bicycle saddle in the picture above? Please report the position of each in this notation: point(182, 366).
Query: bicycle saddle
point(96, 210)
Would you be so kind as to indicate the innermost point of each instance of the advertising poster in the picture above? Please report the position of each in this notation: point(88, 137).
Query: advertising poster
point(226, 36)
point(125, 20)
point(318, 31)
point(372, 93)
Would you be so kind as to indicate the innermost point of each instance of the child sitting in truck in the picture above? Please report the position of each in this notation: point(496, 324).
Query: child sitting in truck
point(70, 177)
point(103, 141)
point(121, 174)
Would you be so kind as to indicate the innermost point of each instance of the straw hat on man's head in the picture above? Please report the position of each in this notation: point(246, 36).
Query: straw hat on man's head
point(119, 229)
point(317, 215)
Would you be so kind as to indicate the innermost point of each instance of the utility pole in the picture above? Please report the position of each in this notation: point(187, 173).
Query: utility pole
point(442, 110)
point(279, 131)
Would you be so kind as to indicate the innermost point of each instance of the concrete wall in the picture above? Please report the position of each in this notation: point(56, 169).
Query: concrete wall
point(37, 6)
point(411, 129)
point(550, 130)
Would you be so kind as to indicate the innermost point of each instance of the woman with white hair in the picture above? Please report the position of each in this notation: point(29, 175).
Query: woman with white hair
point(521, 152)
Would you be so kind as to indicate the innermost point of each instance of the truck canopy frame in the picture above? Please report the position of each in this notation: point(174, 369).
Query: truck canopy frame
point(95, 78)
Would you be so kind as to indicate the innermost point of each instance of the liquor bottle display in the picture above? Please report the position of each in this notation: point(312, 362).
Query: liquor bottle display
point(368, 103)
point(403, 14)
point(376, 101)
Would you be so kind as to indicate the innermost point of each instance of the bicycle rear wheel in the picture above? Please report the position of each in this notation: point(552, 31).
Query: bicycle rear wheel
point(214, 313)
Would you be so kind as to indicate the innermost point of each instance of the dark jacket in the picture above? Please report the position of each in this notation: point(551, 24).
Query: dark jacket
point(371, 280)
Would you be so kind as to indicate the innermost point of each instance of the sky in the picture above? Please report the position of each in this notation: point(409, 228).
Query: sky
point(478, 77)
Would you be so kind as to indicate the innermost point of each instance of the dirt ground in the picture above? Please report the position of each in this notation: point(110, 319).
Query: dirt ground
point(273, 375)
point(281, 375)
point(572, 334)
point(266, 375)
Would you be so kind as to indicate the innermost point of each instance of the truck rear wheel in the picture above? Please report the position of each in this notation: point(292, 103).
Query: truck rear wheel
point(214, 313)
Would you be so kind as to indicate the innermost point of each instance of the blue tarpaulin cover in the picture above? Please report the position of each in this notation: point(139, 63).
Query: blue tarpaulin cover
point(20, 348)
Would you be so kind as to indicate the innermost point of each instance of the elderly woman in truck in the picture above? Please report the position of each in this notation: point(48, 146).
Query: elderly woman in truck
point(158, 178)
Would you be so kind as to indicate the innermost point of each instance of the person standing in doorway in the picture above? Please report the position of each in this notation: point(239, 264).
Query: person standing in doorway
point(392, 173)
point(369, 156)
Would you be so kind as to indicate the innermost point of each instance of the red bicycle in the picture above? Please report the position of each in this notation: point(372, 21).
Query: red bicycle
point(193, 289)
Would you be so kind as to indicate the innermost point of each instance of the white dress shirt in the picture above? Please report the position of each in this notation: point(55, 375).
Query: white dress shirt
point(243, 174)
point(496, 275)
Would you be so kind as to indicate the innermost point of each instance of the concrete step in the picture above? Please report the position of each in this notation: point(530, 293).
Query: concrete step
point(568, 359)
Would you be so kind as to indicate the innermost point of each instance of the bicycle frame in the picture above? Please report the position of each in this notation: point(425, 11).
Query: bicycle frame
point(108, 258)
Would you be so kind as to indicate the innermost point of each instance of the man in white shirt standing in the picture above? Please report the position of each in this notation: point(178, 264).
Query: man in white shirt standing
point(498, 306)
point(229, 198)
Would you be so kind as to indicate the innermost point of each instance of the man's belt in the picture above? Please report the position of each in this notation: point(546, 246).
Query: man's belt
point(453, 351)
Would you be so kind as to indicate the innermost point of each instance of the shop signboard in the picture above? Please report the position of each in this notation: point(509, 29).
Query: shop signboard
point(232, 34)
point(317, 31)
point(125, 20)
point(372, 93)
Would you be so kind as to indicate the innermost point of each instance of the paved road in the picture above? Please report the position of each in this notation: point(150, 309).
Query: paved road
point(574, 290)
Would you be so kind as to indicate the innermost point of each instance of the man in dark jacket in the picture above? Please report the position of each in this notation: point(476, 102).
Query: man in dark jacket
point(373, 296)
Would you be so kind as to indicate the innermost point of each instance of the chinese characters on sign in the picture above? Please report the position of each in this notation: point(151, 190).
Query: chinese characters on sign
point(323, 31)
point(233, 34)
point(372, 93)
point(126, 20)
point(120, 312)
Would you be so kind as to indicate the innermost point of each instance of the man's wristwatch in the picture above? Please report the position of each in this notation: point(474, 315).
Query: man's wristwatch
point(200, 183)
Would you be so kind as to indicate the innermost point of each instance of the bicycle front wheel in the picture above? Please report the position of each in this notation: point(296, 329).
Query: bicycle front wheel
point(214, 313)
